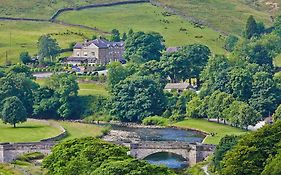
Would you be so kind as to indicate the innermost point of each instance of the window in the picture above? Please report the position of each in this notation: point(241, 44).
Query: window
point(85, 54)
point(78, 54)
point(94, 54)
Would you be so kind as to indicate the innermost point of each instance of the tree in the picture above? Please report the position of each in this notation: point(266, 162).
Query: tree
point(193, 108)
point(115, 35)
point(175, 66)
point(13, 111)
point(215, 75)
point(142, 47)
point(94, 37)
point(57, 98)
point(197, 55)
point(265, 95)
point(253, 151)
point(48, 47)
point(124, 36)
point(277, 25)
point(135, 98)
point(226, 144)
point(25, 57)
point(17, 84)
point(248, 116)
point(90, 156)
point(240, 83)
point(251, 27)
point(116, 73)
point(273, 167)
point(217, 103)
point(19, 68)
point(277, 114)
point(231, 42)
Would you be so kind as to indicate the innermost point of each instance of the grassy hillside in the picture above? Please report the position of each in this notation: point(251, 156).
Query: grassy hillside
point(29, 131)
point(24, 37)
point(226, 15)
point(145, 17)
point(41, 8)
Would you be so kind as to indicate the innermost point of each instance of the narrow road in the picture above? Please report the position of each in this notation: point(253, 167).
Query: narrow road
point(205, 169)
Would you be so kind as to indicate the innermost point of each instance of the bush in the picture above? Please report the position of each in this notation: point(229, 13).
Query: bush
point(31, 156)
point(176, 117)
point(155, 120)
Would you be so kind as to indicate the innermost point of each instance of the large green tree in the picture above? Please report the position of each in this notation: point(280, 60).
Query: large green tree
point(253, 151)
point(251, 27)
point(142, 47)
point(13, 111)
point(115, 35)
point(48, 47)
point(135, 98)
point(215, 75)
point(25, 58)
point(17, 84)
point(89, 156)
point(265, 95)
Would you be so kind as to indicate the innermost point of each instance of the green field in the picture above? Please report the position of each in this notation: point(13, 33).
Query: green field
point(30, 131)
point(6, 169)
point(78, 130)
point(225, 15)
point(220, 130)
point(24, 37)
point(92, 89)
point(146, 17)
point(41, 8)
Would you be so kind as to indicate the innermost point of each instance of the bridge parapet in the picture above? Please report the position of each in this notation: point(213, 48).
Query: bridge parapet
point(192, 152)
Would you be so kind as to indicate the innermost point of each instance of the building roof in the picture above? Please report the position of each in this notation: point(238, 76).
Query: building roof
point(101, 43)
point(179, 86)
point(80, 58)
point(172, 49)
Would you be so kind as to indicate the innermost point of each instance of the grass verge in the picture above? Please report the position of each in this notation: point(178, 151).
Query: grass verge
point(219, 130)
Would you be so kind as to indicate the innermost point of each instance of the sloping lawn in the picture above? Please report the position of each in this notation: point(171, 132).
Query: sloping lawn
point(219, 130)
point(92, 89)
point(78, 130)
point(30, 131)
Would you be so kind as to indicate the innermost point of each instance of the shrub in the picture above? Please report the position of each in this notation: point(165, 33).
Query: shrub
point(176, 117)
point(155, 120)
point(31, 156)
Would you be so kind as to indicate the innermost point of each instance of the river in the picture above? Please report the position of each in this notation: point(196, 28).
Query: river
point(165, 134)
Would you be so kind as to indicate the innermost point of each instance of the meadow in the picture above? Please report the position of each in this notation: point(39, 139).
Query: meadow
point(226, 15)
point(19, 36)
point(219, 130)
point(146, 17)
point(30, 131)
point(41, 8)
point(92, 89)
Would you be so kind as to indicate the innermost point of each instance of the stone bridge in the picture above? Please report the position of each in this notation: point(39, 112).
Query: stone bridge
point(10, 151)
point(192, 153)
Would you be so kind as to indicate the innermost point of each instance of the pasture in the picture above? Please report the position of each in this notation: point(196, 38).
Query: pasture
point(221, 13)
point(30, 131)
point(146, 17)
point(19, 36)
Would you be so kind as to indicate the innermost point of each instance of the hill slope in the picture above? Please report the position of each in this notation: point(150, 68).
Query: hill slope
point(41, 8)
point(225, 15)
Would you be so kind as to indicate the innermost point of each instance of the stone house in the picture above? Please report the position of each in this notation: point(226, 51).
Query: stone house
point(179, 87)
point(98, 51)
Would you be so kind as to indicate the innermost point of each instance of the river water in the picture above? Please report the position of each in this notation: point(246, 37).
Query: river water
point(165, 134)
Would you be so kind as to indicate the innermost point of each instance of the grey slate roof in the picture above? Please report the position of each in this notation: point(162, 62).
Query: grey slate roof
point(178, 86)
point(100, 43)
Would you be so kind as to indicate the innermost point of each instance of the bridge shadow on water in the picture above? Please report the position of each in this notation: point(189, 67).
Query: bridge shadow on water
point(170, 160)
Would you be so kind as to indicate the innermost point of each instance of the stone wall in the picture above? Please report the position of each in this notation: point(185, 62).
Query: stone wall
point(11, 151)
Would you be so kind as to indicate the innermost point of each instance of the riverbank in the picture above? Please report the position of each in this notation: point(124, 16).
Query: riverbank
point(215, 131)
